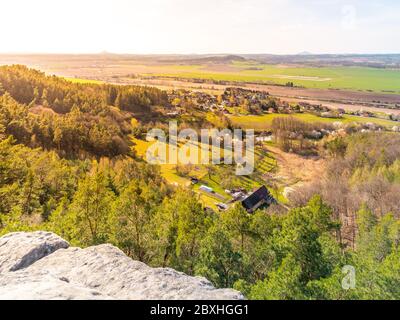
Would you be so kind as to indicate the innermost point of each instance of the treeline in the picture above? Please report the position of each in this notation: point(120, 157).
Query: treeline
point(294, 135)
point(76, 120)
point(32, 87)
point(265, 255)
point(33, 182)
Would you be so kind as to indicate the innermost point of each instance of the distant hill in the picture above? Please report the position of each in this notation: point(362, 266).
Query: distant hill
point(304, 53)
point(217, 59)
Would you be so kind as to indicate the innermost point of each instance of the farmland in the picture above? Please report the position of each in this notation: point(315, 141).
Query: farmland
point(349, 78)
point(263, 122)
point(353, 77)
point(352, 84)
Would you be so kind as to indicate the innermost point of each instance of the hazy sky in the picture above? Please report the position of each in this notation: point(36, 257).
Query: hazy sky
point(206, 26)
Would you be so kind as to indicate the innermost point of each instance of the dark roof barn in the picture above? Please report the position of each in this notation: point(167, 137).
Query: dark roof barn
point(260, 197)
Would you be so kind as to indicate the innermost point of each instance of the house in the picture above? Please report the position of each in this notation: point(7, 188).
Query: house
point(260, 197)
point(264, 138)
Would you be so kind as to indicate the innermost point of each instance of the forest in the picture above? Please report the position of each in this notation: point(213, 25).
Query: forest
point(77, 120)
point(67, 166)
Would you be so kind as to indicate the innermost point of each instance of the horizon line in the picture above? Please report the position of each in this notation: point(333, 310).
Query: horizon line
point(305, 53)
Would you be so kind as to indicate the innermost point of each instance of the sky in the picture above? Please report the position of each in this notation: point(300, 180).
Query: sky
point(203, 26)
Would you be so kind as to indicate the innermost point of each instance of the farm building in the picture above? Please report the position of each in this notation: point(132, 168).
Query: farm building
point(206, 189)
point(260, 197)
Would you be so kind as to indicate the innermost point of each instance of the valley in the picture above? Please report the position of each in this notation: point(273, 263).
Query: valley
point(73, 161)
point(351, 86)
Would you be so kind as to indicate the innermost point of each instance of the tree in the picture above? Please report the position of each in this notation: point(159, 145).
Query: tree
point(112, 95)
point(237, 222)
point(29, 195)
point(118, 100)
point(44, 98)
point(211, 170)
point(218, 262)
point(90, 209)
point(259, 257)
point(300, 237)
point(132, 214)
point(366, 221)
point(336, 147)
point(181, 225)
point(2, 131)
point(282, 284)
point(14, 222)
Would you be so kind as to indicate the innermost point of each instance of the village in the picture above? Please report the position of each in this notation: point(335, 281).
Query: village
point(243, 101)
point(236, 104)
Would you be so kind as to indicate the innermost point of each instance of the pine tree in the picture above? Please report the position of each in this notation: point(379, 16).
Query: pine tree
point(91, 208)
point(2, 90)
point(132, 214)
point(218, 262)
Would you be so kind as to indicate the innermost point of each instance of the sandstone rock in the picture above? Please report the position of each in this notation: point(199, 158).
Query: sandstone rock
point(100, 272)
point(19, 250)
point(26, 286)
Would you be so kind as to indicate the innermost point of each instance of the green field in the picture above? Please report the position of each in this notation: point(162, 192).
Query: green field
point(263, 122)
point(351, 78)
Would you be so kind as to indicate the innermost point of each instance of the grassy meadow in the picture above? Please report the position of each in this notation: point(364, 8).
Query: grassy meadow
point(349, 78)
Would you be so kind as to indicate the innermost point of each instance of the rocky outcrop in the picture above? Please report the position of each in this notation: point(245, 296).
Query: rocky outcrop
point(41, 265)
point(20, 250)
